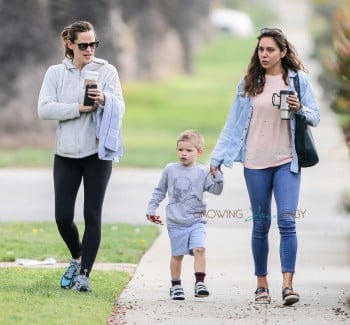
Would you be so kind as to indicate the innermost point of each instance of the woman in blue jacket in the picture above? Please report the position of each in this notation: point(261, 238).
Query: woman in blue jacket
point(255, 135)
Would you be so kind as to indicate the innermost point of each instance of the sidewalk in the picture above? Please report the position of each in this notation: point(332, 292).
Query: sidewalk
point(323, 264)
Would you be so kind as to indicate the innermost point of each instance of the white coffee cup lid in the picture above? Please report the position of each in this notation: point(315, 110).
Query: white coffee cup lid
point(91, 75)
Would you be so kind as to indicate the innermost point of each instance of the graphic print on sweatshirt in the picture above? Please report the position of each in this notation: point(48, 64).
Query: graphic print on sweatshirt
point(184, 203)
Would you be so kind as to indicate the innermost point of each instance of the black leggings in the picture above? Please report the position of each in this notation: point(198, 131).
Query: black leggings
point(68, 173)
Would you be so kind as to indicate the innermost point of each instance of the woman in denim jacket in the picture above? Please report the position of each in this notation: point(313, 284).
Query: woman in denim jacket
point(255, 135)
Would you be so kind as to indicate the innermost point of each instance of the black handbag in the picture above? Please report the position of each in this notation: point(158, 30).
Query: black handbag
point(303, 139)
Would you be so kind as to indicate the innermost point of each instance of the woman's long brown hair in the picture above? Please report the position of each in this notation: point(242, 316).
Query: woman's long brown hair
point(254, 80)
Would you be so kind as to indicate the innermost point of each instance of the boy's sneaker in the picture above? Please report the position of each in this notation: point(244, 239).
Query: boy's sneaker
point(200, 290)
point(82, 283)
point(70, 275)
point(177, 293)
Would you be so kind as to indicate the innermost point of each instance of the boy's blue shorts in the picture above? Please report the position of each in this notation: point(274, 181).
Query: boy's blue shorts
point(184, 238)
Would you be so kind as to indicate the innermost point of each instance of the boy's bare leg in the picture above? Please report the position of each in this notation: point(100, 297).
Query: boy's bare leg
point(175, 267)
point(199, 259)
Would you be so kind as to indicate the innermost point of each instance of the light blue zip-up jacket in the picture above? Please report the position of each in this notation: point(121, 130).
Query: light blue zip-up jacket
point(61, 92)
point(231, 144)
point(109, 129)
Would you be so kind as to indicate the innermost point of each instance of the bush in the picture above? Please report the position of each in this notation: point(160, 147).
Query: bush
point(333, 48)
point(341, 40)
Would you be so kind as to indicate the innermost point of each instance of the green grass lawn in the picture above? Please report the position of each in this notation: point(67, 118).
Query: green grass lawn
point(33, 295)
point(120, 243)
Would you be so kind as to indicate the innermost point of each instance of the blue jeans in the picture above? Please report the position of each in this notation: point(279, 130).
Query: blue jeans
point(285, 186)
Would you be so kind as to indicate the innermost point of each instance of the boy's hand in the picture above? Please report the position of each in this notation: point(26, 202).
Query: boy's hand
point(155, 219)
point(213, 170)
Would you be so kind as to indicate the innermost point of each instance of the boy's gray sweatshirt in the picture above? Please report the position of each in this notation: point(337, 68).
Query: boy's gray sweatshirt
point(185, 187)
point(61, 92)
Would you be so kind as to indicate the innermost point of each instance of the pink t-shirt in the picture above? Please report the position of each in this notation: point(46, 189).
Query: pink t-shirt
point(268, 140)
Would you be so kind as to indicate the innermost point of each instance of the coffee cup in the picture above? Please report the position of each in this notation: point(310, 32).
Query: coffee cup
point(90, 77)
point(283, 104)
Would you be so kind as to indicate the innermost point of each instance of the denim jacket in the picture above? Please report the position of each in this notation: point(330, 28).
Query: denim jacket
point(231, 144)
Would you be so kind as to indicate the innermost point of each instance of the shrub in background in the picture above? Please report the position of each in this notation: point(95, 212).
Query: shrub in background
point(333, 51)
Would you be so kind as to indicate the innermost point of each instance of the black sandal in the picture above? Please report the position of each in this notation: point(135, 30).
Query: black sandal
point(289, 298)
point(262, 296)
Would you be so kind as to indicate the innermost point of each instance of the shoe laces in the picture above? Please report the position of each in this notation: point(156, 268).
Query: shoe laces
point(82, 280)
point(71, 269)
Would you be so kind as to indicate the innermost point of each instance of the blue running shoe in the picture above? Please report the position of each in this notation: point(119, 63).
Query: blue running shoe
point(82, 284)
point(70, 275)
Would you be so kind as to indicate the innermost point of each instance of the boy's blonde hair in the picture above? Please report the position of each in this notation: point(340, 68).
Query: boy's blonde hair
point(192, 136)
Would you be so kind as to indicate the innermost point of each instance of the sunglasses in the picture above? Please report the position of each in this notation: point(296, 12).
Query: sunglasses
point(270, 31)
point(84, 46)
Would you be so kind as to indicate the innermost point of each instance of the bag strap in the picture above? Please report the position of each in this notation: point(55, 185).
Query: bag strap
point(297, 85)
point(298, 118)
point(300, 126)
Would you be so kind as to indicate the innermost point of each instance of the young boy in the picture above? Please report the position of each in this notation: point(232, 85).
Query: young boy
point(185, 183)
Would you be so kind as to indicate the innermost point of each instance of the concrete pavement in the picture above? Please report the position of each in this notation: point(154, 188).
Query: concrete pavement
point(323, 264)
point(28, 195)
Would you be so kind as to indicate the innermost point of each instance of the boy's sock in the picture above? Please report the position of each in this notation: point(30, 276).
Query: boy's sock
point(200, 276)
point(175, 282)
